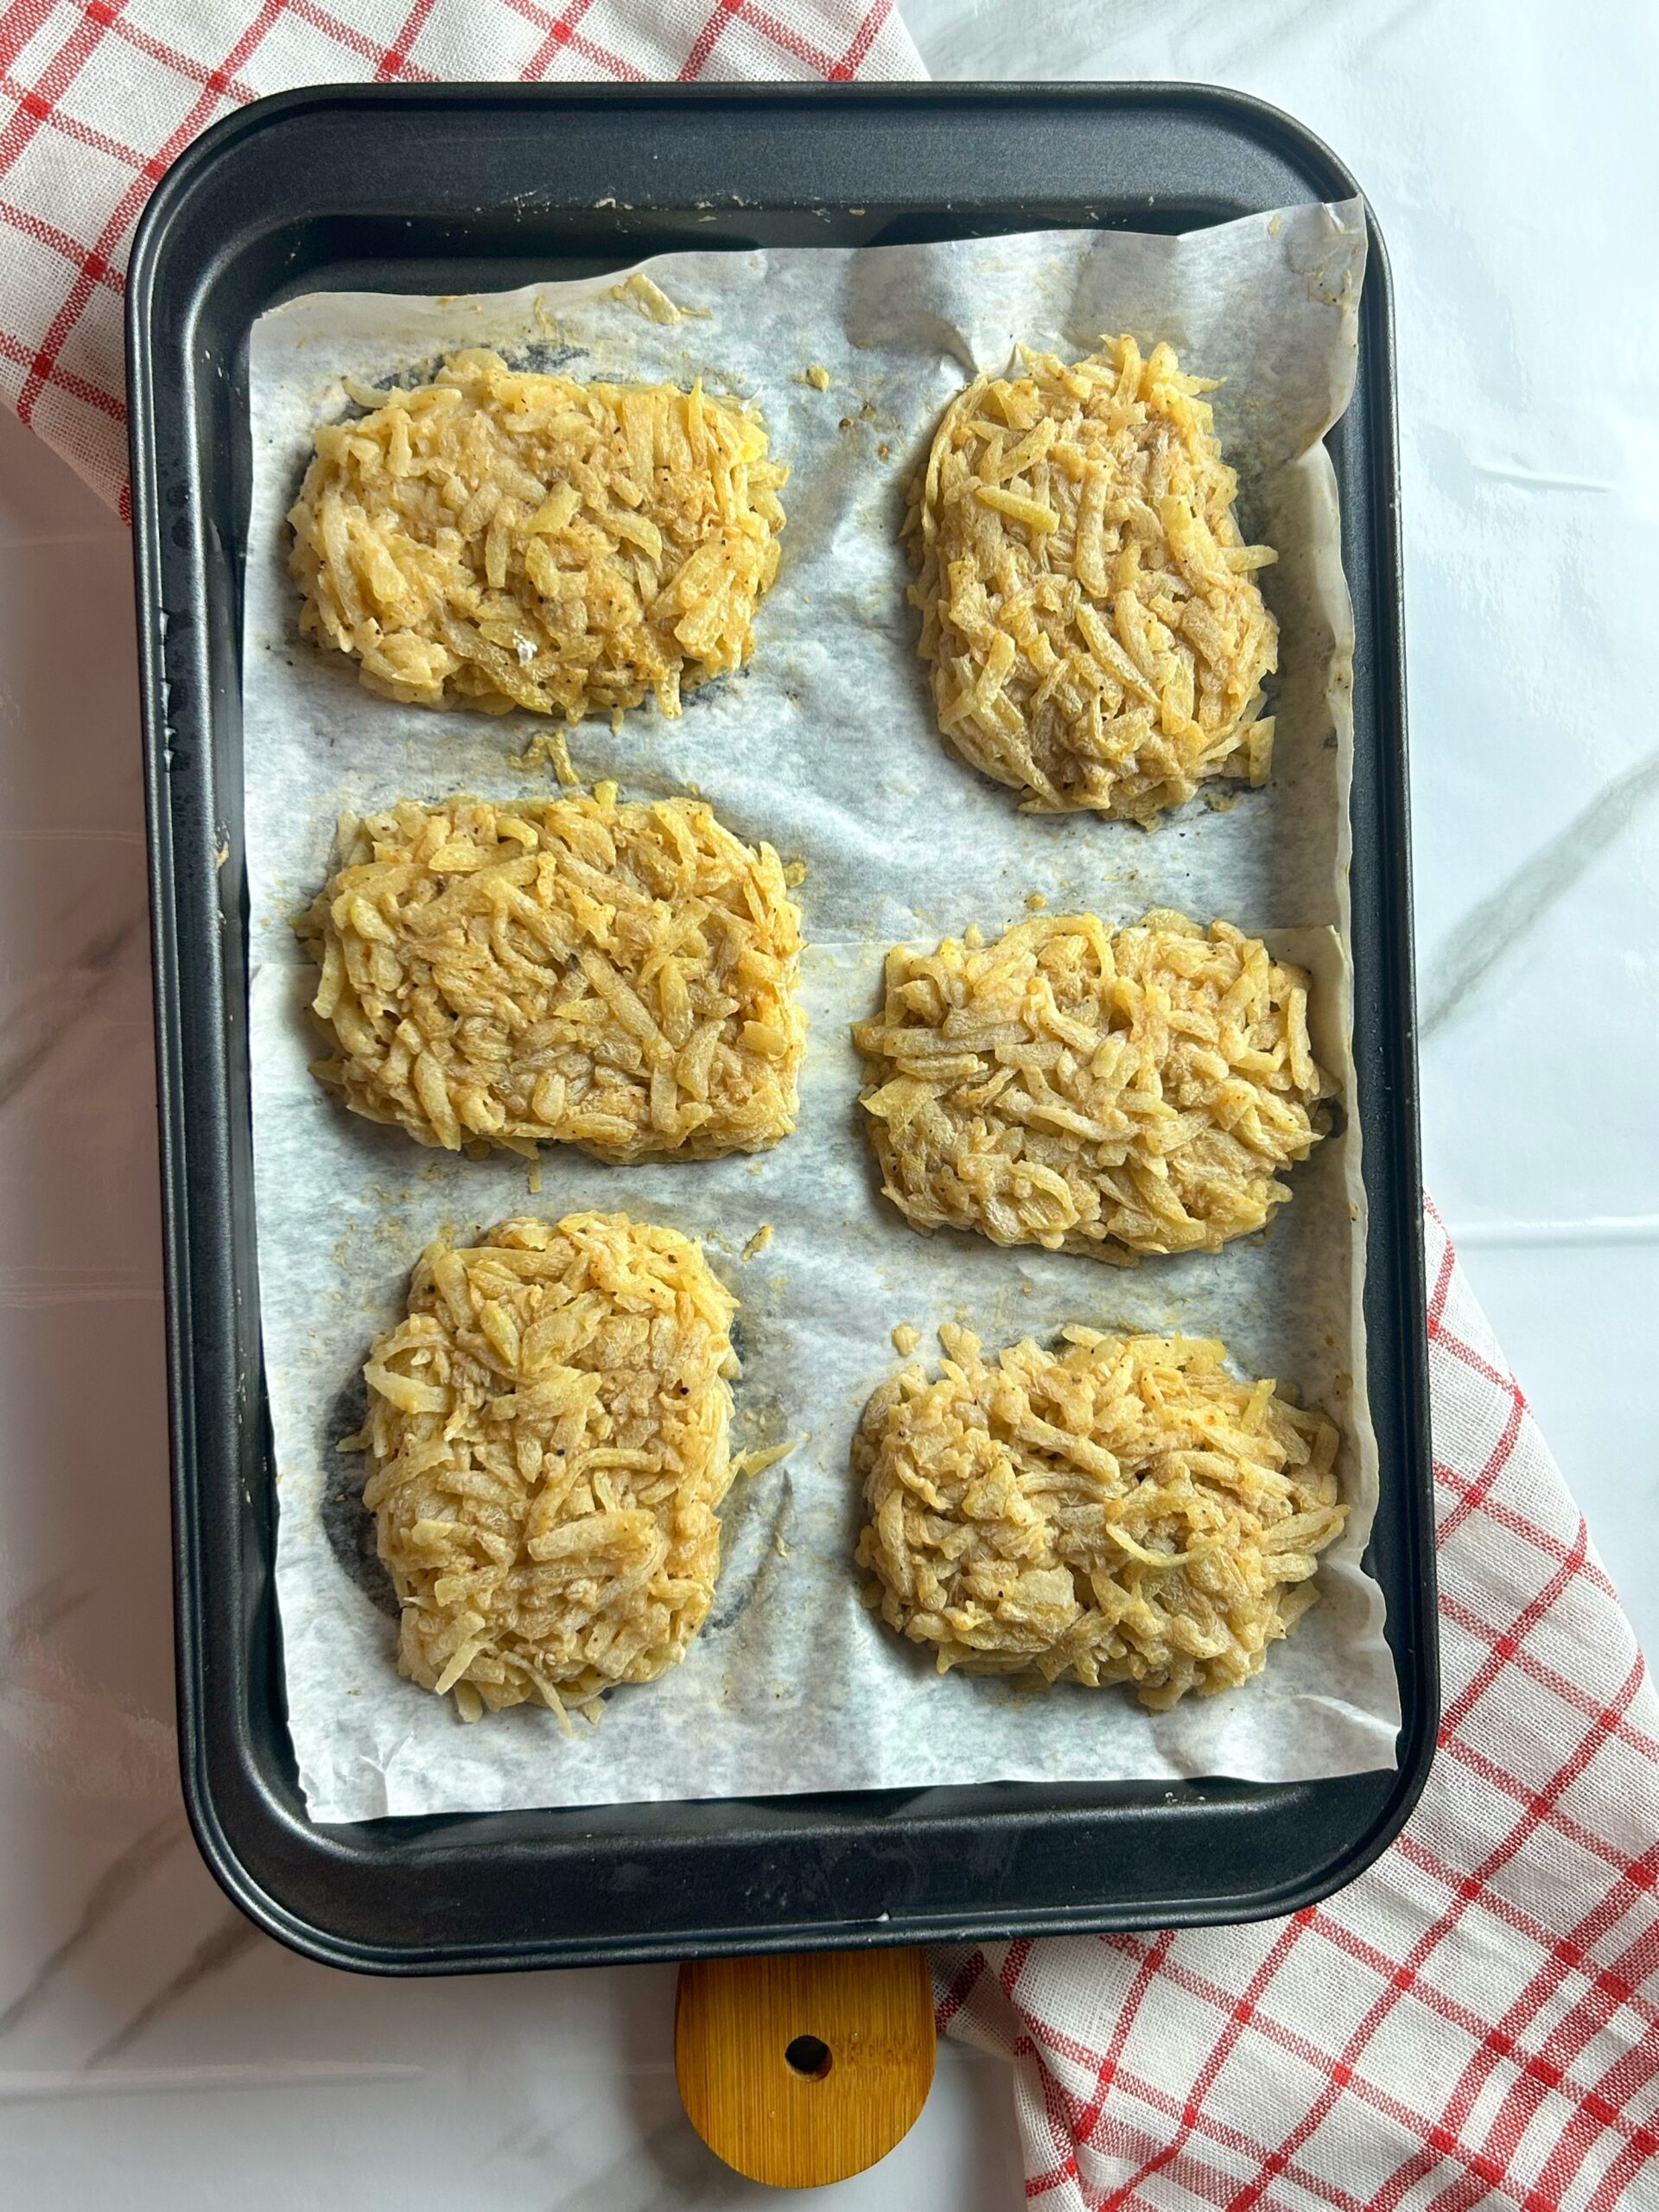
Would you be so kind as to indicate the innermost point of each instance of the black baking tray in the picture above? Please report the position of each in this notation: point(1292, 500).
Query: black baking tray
point(461, 187)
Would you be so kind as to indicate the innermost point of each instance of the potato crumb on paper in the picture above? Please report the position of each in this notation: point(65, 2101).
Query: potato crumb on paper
point(905, 1338)
point(756, 1462)
point(759, 1242)
point(817, 376)
point(1122, 1509)
point(1035, 901)
point(644, 293)
point(547, 748)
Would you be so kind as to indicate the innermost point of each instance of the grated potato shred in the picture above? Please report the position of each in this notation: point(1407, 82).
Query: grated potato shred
point(618, 976)
point(549, 1444)
point(501, 539)
point(1121, 1510)
point(1089, 606)
point(1110, 1092)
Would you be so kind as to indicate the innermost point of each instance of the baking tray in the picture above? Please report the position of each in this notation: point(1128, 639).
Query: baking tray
point(450, 188)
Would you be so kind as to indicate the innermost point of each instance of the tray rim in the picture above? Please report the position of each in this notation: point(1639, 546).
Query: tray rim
point(1252, 117)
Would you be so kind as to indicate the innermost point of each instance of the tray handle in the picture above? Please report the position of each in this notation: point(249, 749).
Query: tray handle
point(802, 2069)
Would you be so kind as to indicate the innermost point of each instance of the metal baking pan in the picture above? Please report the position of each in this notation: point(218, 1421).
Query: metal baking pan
point(449, 188)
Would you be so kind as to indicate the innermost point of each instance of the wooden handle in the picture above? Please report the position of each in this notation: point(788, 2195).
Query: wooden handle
point(801, 2071)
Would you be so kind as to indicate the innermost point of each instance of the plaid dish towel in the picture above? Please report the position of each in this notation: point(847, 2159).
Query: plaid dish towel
point(98, 97)
point(1475, 2021)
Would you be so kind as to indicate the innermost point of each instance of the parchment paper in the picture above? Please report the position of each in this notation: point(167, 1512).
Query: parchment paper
point(826, 747)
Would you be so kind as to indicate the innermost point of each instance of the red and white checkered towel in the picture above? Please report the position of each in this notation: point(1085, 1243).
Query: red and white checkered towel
point(97, 97)
point(1476, 2021)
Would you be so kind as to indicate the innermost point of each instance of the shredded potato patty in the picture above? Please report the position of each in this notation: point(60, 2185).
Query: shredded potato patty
point(1110, 1092)
point(1123, 1511)
point(507, 540)
point(616, 976)
point(548, 1441)
point(1089, 609)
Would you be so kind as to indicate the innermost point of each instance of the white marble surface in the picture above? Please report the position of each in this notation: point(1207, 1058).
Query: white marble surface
point(151, 2043)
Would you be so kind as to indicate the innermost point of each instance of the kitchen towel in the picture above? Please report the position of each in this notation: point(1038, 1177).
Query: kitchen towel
point(1475, 2021)
point(98, 98)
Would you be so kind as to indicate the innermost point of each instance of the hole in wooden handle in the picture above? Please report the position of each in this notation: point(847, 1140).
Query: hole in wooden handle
point(808, 2055)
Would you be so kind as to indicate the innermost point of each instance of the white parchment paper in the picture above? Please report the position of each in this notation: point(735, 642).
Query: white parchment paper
point(826, 747)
